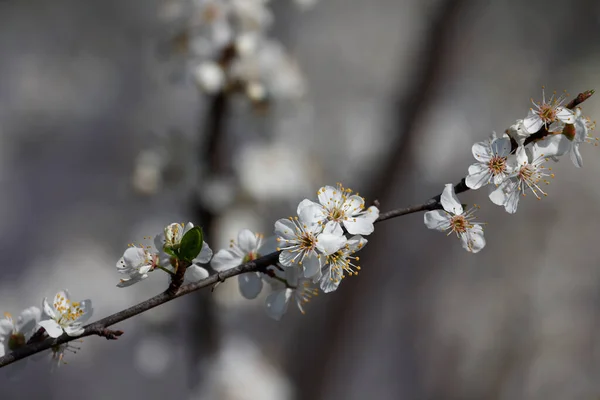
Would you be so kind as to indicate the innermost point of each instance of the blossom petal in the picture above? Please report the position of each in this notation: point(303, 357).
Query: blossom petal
point(450, 201)
point(437, 219)
point(333, 228)
point(134, 257)
point(250, 285)
point(551, 145)
point(371, 214)
point(565, 115)
point(195, 273)
point(354, 204)
point(6, 327)
point(48, 309)
point(312, 265)
point(309, 213)
point(285, 228)
point(532, 123)
point(277, 303)
point(329, 243)
point(88, 311)
point(205, 254)
point(331, 279)
point(481, 151)
point(224, 260)
point(27, 321)
point(473, 240)
point(359, 226)
point(328, 196)
point(575, 156)
point(74, 330)
point(479, 176)
point(52, 328)
point(287, 258)
point(501, 146)
point(247, 240)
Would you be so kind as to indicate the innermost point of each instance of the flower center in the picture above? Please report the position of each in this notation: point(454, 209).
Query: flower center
point(497, 165)
point(250, 257)
point(16, 340)
point(547, 113)
point(336, 214)
point(307, 241)
point(527, 174)
point(68, 311)
point(459, 224)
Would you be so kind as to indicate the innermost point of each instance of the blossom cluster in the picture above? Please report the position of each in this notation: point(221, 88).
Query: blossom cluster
point(317, 248)
point(61, 316)
point(514, 164)
point(232, 51)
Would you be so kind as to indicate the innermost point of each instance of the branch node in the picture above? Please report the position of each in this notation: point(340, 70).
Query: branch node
point(109, 334)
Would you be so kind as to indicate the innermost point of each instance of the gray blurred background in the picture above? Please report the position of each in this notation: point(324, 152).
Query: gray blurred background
point(93, 103)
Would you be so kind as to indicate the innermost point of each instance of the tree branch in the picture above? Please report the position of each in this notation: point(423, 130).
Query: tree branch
point(100, 327)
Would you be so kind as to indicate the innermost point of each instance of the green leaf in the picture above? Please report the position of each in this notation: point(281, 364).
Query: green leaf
point(191, 244)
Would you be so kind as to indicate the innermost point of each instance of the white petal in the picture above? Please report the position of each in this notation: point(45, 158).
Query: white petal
point(205, 254)
point(247, 240)
point(331, 279)
point(48, 309)
point(355, 243)
point(473, 241)
point(329, 243)
point(277, 303)
point(312, 265)
point(145, 269)
point(521, 156)
point(565, 115)
point(134, 257)
point(6, 327)
point(52, 328)
point(88, 311)
point(28, 320)
point(354, 204)
point(333, 228)
point(250, 285)
point(501, 146)
point(575, 156)
point(74, 330)
point(359, 226)
point(224, 260)
point(371, 214)
point(450, 201)
point(286, 258)
point(159, 241)
point(437, 219)
point(551, 145)
point(478, 176)
point(532, 123)
point(481, 151)
point(195, 273)
point(328, 196)
point(285, 228)
point(309, 214)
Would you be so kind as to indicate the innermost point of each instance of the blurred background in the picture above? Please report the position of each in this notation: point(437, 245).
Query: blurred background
point(107, 134)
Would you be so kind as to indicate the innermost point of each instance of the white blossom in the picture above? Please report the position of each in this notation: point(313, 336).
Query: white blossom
point(528, 173)
point(492, 165)
point(246, 249)
point(170, 239)
point(288, 285)
point(550, 114)
point(65, 315)
point(455, 219)
point(15, 334)
point(305, 243)
point(518, 132)
point(338, 206)
point(341, 264)
point(136, 262)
